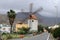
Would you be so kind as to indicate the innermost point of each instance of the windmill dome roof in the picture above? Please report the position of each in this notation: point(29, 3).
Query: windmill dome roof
point(32, 16)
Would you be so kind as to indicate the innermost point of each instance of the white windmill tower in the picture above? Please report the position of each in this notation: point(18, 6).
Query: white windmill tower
point(33, 20)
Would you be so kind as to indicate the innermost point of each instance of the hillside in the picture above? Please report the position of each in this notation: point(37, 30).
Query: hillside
point(20, 16)
point(42, 19)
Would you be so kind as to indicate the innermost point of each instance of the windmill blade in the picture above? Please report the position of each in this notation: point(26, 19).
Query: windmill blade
point(24, 19)
point(31, 6)
point(40, 9)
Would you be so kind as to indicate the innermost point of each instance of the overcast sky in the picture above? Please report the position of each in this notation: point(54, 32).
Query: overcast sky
point(49, 8)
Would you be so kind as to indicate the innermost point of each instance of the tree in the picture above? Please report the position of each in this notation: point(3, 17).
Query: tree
point(11, 16)
point(49, 30)
point(56, 33)
point(40, 28)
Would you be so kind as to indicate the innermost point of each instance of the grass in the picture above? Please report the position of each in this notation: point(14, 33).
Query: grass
point(4, 37)
point(8, 36)
point(12, 36)
point(15, 35)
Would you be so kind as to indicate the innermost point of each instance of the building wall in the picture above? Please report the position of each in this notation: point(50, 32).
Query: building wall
point(53, 27)
point(33, 24)
point(4, 28)
point(20, 26)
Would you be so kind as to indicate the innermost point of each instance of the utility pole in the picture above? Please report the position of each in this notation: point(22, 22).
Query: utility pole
point(56, 14)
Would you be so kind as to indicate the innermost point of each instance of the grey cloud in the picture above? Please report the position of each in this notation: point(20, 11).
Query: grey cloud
point(48, 6)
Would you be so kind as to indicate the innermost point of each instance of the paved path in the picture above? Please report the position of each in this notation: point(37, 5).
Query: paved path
point(43, 36)
point(51, 37)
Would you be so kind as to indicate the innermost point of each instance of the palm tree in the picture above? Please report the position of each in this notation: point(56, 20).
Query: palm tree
point(11, 16)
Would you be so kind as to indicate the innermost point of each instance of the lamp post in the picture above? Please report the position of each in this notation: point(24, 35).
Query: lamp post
point(56, 13)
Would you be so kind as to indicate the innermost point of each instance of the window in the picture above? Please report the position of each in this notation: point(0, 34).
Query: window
point(32, 20)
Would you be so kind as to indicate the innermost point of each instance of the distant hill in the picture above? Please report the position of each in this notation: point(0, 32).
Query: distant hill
point(3, 18)
point(22, 15)
point(42, 19)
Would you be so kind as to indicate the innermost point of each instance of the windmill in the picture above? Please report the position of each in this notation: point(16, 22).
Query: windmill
point(32, 19)
point(30, 13)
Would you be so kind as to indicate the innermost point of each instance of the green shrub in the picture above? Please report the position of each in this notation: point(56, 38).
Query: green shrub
point(4, 37)
point(56, 32)
point(23, 30)
point(40, 28)
point(9, 36)
point(49, 30)
point(5, 33)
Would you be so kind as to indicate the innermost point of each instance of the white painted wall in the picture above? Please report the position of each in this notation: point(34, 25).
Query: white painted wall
point(5, 29)
point(33, 25)
point(53, 27)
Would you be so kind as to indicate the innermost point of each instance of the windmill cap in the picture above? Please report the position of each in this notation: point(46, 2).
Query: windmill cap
point(32, 16)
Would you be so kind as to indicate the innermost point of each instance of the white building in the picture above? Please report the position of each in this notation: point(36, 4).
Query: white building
point(33, 23)
point(53, 27)
point(5, 28)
